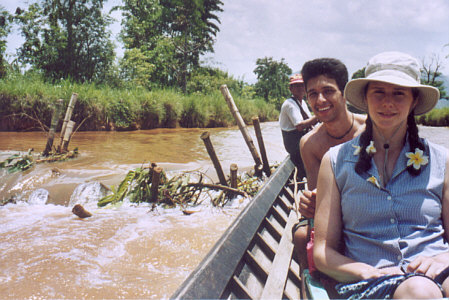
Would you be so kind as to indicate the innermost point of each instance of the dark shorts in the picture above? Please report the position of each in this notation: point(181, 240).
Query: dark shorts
point(378, 288)
point(291, 143)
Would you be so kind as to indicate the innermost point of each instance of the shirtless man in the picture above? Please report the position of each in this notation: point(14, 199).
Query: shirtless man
point(325, 80)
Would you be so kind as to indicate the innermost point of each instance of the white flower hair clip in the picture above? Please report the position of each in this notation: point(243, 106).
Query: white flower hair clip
point(370, 149)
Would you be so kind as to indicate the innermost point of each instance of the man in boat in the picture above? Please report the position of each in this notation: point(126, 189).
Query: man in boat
point(325, 80)
point(295, 120)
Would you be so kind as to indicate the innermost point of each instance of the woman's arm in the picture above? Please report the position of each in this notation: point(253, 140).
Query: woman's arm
point(328, 232)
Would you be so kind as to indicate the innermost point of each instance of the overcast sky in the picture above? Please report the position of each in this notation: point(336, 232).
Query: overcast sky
point(300, 30)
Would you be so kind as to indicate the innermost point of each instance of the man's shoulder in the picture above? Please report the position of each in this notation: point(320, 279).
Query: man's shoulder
point(359, 124)
point(287, 102)
point(314, 138)
point(359, 120)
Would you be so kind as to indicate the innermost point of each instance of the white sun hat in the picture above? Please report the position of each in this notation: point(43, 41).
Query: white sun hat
point(396, 68)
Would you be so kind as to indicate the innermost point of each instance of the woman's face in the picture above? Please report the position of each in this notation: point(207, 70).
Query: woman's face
point(388, 105)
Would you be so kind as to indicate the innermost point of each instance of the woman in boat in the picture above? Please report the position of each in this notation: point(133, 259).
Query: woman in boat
point(382, 217)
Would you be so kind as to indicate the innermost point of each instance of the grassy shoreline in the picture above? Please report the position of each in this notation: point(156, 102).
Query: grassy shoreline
point(26, 103)
point(438, 117)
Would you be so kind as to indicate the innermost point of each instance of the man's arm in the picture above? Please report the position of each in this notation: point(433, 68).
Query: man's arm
point(310, 160)
point(312, 166)
point(306, 123)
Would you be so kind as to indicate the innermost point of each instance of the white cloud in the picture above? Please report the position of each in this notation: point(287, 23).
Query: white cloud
point(351, 30)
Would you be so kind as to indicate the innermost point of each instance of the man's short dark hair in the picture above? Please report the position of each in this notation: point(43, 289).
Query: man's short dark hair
point(329, 67)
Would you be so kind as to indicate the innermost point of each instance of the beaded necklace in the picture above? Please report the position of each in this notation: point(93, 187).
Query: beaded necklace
point(344, 134)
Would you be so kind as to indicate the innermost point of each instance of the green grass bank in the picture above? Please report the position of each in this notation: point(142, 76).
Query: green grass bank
point(27, 101)
point(436, 117)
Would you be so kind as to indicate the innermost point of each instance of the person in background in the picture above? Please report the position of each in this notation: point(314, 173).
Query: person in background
point(325, 80)
point(295, 119)
point(382, 214)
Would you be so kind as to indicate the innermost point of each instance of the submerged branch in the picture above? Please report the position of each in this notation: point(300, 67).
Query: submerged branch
point(219, 187)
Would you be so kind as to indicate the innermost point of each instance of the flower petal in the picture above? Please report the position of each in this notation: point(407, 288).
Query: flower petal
point(417, 159)
point(374, 181)
point(370, 149)
point(357, 149)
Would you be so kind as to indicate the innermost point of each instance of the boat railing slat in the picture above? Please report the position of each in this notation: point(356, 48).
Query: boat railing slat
point(260, 272)
point(293, 273)
point(269, 226)
point(289, 193)
point(278, 216)
point(266, 248)
point(277, 277)
point(284, 203)
point(239, 289)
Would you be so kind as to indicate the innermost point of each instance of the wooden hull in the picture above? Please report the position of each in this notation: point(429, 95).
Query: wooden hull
point(254, 258)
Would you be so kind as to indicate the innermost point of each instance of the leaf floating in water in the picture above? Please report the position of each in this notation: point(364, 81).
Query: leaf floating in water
point(79, 210)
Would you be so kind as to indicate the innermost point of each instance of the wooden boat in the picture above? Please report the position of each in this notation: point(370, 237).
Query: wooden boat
point(255, 257)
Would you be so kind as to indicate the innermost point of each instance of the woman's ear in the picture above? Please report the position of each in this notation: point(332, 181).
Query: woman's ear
point(414, 103)
point(415, 93)
point(366, 103)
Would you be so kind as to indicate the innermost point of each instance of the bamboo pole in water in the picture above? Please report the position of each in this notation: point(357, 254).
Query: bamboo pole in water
point(54, 124)
point(263, 152)
point(249, 141)
point(68, 115)
point(67, 135)
point(233, 176)
point(155, 183)
point(213, 156)
point(233, 171)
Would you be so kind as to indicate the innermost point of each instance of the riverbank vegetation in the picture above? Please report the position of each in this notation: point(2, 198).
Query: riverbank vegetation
point(26, 102)
point(436, 117)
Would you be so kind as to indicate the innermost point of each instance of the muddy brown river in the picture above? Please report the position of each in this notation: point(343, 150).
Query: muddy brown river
point(125, 251)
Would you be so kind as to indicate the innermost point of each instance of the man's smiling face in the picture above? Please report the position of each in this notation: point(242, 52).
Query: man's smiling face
point(325, 98)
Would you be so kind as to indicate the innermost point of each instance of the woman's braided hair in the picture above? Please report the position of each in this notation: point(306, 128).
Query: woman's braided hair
point(364, 162)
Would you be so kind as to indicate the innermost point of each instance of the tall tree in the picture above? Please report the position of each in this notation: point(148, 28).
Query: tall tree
point(67, 39)
point(359, 74)
point(192, 31)
point(148, 58)
point(272, 79)
point(430, 73)
point(5, 28)
point(171, 34)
